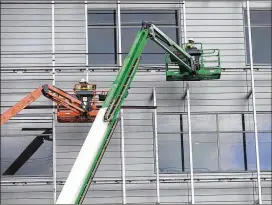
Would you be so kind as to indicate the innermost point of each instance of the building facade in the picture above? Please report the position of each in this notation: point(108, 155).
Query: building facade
point(45, 43)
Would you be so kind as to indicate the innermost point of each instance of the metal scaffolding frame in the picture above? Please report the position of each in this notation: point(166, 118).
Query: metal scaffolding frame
point(187, 95)
point(155, 123)
point(155, 141)
point(254, 104)
point(123, 158)
point(54, 104)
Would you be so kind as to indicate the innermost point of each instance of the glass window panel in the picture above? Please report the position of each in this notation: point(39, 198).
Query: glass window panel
point(40, 163)
point(231, 152)
point(129, 35)
point(102, 59)
point(232, 122)
point(160, 18)
point(168, 123)
point(264, 151)
point(101, 41)
point(170, 161)
point(259, 17)
point(101, 18)
point(261, 45)
point(205, 157)
point(200, 122)
point(205, 154)
point(264, 122)
point(149, 58)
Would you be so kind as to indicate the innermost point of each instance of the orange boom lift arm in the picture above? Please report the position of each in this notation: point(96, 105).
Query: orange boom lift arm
point(69, 108)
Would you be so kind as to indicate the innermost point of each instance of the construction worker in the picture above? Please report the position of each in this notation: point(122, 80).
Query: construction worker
point(83, 85)
point(193, 51)
point(190, 44)
point(84, 92)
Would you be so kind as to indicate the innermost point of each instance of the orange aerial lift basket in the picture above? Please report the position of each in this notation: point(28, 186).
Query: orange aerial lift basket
point(81, 106)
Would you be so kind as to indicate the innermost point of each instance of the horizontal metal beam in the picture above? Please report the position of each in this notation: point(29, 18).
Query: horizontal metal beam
point(92, 2)
point(82, 68)
point(214, 132)
point(211, 113)
point(226, 175)
point(134, 107)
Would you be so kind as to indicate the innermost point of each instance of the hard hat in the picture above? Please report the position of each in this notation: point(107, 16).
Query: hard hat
point(191, 39)
point(82, 80)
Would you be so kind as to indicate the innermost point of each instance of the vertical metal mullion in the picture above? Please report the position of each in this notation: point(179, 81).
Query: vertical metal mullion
point(178, 32)
point(190, 145)
point(244, 142)
point(53, 115)
point(86, 42)
point(123, 158)
point(182, 143)
point(184, 30)
point(117, 35)
point(184, 21)
point(254, 105)
point(156, 146)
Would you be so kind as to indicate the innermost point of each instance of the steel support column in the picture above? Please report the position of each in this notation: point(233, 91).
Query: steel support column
point(254, 105)
point(123, 157)
point(155, 131)
point(54, 114)
point(119, 61)
point(190, 143)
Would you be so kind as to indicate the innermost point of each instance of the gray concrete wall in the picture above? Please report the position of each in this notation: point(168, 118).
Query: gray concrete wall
point(27, 28)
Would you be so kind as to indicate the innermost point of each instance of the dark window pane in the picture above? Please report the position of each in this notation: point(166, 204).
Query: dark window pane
point(170, 161)
point(101, 46)
point(40, 163)
point(101, 18)
point(102, 59)
point(156, 17)
point(259, 17)
point(261, 45)
point(152, 52)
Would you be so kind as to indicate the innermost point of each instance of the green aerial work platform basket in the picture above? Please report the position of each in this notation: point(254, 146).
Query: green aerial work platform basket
point(208, 66)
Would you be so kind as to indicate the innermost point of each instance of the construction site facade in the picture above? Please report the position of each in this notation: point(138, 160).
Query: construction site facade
point(175, 141)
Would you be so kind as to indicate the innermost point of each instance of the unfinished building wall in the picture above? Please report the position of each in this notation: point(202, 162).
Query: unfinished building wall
point(26, 30)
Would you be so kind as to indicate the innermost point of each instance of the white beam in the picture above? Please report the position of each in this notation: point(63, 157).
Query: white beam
point(254, 104)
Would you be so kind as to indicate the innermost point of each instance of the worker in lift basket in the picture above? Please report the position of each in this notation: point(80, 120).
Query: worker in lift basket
point(83, 85)
point(190, 48)
point(190, 44)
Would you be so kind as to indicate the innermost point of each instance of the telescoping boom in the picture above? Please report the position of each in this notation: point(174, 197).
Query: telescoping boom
point(90, 155)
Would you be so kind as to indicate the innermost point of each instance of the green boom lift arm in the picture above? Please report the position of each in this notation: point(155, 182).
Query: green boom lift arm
point(180, 66)
point(184, 62)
